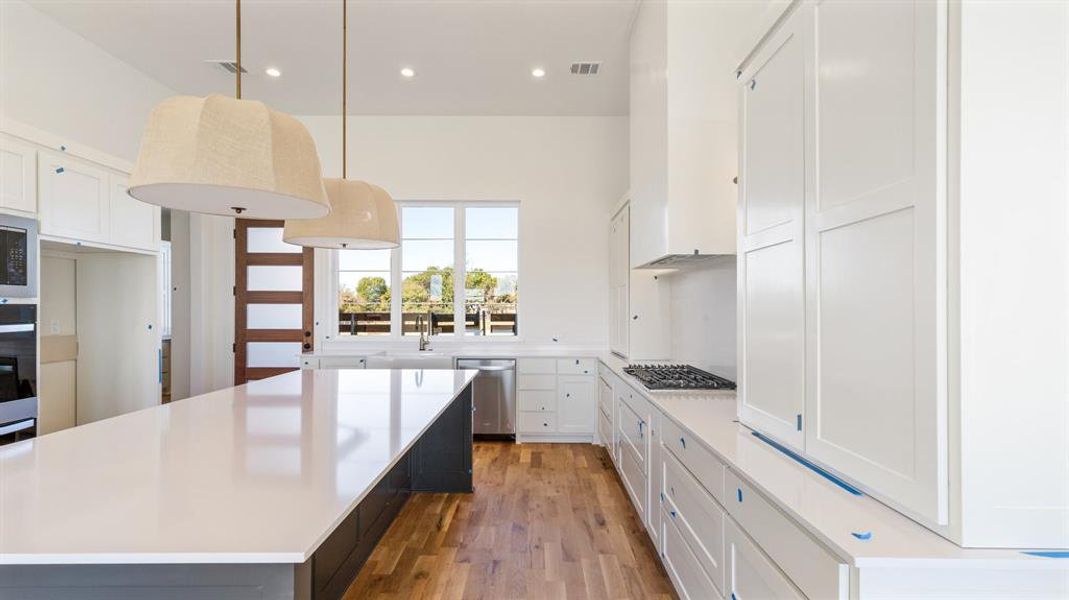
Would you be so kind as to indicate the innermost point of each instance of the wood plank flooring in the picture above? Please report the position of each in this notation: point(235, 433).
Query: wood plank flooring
point(545, 521)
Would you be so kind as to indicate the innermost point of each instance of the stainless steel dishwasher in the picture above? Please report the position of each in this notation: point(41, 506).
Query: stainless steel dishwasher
point(494, 396)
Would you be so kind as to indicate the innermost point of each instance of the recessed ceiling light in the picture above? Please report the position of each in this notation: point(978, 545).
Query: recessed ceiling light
point(538, 72)
point(272, 72)
point(408, 73)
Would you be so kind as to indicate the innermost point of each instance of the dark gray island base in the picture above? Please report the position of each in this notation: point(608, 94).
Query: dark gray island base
point(439, 461)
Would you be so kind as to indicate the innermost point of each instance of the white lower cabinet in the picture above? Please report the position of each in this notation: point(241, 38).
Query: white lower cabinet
point(697, 515)
point(717, 536)
point(575, 404)
point(537, 423)
point(556, 399)
point(818, 572)
point(750, 574)
point(691, 580)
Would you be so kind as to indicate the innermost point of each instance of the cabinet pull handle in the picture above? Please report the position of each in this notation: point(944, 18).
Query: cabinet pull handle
point(59, 170)
point(738, 491)
point(753, 83)
point(683, 442)
point(673, 513)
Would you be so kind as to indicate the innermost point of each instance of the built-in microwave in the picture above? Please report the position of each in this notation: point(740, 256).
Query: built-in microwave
point(18, 257)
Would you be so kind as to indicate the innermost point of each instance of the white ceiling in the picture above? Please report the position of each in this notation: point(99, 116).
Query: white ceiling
point(472, 57)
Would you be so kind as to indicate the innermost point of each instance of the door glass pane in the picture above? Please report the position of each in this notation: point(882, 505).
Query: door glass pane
point(274, 278)
point(269, 239)
point(274, 316)
point(273, 354)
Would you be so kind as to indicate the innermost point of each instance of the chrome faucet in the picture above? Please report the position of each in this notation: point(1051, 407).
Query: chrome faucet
point(424, 340)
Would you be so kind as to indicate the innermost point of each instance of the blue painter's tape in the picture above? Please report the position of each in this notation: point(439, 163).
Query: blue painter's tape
point(812, 467)
point(739, 492)
point(60, 169)
point(1048, 553)
point(864, 536)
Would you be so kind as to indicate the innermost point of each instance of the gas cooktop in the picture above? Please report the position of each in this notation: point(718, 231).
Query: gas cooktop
point(677, 377)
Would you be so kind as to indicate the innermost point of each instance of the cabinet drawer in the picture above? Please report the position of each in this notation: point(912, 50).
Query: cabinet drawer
point(576, 366)
point(536, 382)
point(634, 478)
point(605, 430)
point(750, 573)
point(537, 422)
point(702, 464)
point(633, 431)
point(691, 581)
point(815, 570)
point(536, 366)
point(537, 400)
point(699, 518)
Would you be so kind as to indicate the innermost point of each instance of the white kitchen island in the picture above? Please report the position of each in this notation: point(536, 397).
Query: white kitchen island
point(275, 489)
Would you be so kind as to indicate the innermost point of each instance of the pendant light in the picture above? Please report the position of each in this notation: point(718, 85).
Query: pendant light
point(228, 156)
point(363, 216)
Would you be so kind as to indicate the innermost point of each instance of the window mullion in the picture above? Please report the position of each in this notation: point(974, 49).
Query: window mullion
point(459, 274)
point(396, 322)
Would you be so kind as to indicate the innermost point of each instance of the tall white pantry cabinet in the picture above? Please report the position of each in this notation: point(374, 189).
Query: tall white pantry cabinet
point(896, 324)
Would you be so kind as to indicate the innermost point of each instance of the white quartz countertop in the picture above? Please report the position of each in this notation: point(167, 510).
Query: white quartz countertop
point(826, 511)
point(257, 473)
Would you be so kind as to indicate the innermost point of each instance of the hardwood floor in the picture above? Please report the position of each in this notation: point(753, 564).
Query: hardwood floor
point(545, 521)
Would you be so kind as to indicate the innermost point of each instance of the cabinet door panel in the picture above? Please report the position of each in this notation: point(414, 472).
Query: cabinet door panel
point(575, 404)
point(134, 224)
point(74, 199)
point(18, 175)
point(876, 251)
point(751, 575)
point(771, 284)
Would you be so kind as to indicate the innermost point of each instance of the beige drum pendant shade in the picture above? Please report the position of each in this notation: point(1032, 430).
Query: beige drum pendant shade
point(222, 156)
point(363, 216)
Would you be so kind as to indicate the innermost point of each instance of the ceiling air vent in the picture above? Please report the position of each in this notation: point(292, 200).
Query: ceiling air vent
point(227, 65)
point(586, 68)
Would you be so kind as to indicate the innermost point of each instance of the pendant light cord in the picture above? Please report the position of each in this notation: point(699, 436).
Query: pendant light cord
point(344, 85)
point(237, 22)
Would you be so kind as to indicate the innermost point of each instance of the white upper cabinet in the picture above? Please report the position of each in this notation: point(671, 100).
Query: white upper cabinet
point(876, 250)
point(134, 224)
point(81, 202)
point(682, 126)
point(771, 284)
point(18, 176)
point(74, 198)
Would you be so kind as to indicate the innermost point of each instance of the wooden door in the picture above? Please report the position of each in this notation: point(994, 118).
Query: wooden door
point(771, 281)
point(273, 308)
point(876, 250)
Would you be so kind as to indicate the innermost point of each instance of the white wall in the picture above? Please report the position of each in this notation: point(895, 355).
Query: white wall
point(57, 81)
point(703, 317)
point(211, 303)
point(565, 171)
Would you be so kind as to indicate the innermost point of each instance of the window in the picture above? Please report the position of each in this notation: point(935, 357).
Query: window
point(411, 289)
